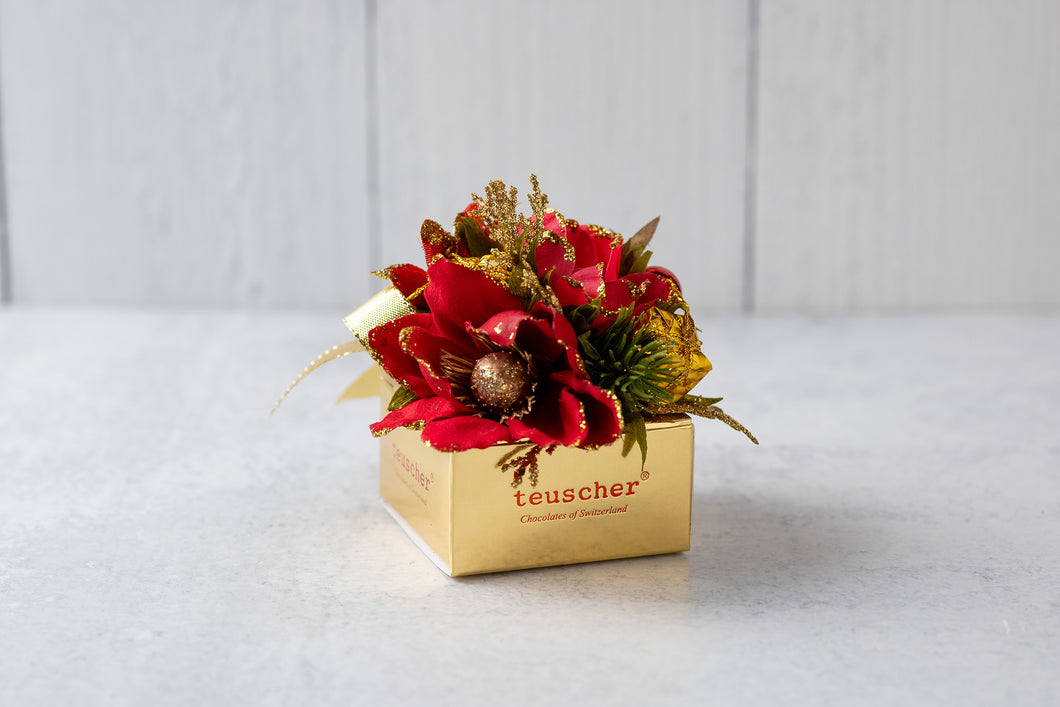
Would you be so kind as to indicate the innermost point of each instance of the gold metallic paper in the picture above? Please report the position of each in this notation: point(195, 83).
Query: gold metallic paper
point(588, 505)
point(385, 306)
point(681, 331)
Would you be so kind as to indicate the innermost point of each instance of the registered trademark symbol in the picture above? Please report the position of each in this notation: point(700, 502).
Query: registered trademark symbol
point(644, 476)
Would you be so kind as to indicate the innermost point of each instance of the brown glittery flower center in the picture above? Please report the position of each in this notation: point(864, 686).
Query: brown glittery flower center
point(500, 381)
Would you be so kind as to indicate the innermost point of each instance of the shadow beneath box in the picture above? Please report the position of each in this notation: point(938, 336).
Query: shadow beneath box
point(744, 551)
point(753, 549)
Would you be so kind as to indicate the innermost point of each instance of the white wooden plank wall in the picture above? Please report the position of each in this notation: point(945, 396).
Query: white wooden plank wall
point(908, 154)
point(624, 111)
point(5, 259)
point(197, 152)
point(901, 154)
point(215, 153)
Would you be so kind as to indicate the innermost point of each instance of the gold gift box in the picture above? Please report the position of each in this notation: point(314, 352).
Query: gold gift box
point(464, 513)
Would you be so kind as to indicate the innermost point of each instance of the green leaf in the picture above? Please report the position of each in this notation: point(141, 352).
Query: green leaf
point(628, 440)
point(627, 260)
point(581, 318)
point(641, 263)
point(515, 280)
point(402, 397)
point(640, 431)
point(471, 234)
point(635, 431)
point(642, 238)
point(634, 247)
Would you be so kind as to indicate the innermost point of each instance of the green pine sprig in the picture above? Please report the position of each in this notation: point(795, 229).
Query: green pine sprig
point(628, 361)
point(625, 359)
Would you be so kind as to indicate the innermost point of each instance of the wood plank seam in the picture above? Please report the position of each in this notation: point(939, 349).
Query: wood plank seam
point(750, 195)
point(373, 198)
point(5, 247)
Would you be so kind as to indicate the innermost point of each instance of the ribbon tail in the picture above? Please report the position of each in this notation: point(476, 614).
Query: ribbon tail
point(329, 355)
point(366, 385)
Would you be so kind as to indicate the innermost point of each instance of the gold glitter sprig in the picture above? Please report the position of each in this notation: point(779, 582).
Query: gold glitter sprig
point(523, 459)
point(703, 407)
point(498, 210)
point(519, 237)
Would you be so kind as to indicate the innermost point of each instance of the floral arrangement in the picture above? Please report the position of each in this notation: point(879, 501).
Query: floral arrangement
point(537, 331)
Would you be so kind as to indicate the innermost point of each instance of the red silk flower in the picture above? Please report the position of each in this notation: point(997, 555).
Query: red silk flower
point(585, 266)
point(472, 317)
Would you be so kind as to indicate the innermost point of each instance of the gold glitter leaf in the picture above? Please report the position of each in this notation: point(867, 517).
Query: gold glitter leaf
point(402, 397)
point(703, 407)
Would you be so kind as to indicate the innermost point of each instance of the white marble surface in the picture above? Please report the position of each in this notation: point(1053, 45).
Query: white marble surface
point(893, 540)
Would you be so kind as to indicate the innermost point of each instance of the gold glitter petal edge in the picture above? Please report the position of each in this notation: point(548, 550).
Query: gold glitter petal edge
point(329, 355)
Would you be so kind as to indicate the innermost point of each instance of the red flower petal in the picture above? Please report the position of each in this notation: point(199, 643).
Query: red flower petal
point(571, 411)
point(597, 255)
point(652, 286)
point(427, 348)
point(422, 410)
point(565, 337)
point(524, 331)
point(619, 293)
point(502, 327)
point(570, 291)
point(455, 434)
point(458, 296)
point(639, 290)
point(663, 272)
point(408, 278)
point(439, 242)
point(385, 343)
point(551, 258)
point(613, 260)
point(590, 279)
point(602, 410)
point(536, 337)
point(543, 333)
point(556, 418)
point(552, 223)
point(593, 245)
